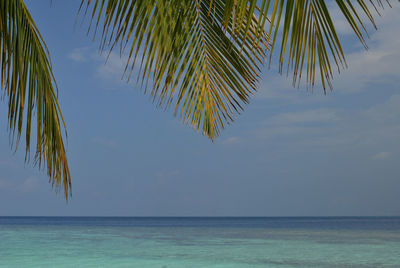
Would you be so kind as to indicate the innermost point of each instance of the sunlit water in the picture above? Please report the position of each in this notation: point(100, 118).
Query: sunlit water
point(199, 242)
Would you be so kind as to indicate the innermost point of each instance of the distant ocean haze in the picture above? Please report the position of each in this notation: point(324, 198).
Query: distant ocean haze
point(199, 242)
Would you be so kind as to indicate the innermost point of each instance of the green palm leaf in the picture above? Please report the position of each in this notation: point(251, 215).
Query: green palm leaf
point(203, 64)
point(308, 35)
point(203, 56)
point(28, 83)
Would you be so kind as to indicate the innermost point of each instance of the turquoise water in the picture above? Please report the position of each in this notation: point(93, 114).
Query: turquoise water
point(199, 242)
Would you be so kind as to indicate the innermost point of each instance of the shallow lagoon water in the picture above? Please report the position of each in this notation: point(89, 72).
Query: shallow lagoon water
point(199, 242)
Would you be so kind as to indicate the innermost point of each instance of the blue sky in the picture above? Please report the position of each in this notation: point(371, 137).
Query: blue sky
point(291, 153)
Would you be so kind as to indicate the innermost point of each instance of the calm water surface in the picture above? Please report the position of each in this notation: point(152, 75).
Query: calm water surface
point(199, 242)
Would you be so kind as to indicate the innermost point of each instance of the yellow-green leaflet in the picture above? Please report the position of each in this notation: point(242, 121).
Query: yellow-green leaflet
point(28, 82)
point(201, 57)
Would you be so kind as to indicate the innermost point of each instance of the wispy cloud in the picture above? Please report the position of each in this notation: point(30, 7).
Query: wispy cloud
point(372, 128)
point(231, 140)
point(382, 155)
point(337, 128)
point(378, 64)
point(387, 112)
point(109, 67)
point(298, 125)
point(80, 54)
point(303, 117)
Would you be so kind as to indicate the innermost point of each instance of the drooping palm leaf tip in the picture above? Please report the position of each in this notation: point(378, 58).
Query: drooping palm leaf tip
point(198, 59)
point(308, 35)
point(27, 81)
point(204, 56)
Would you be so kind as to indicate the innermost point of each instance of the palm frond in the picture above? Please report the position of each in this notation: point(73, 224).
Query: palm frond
point(308, 35)
point(204, 64)
point(28, 82)
point(203, 56)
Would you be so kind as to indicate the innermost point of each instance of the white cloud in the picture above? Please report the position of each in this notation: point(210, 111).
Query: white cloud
point(231, 140)
point(343, 27)
point(272, 132)
point(382, 155)
point(111, 67)
point(380, 63)
point(306, 123)
point(80, 54)
point(302, 117)
point(374, 128)
point(385, 113)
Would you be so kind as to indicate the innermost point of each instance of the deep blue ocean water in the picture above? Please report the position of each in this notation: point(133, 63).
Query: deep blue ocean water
point(199, 242)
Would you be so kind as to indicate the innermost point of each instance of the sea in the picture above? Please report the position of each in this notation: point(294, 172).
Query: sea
point(172, 242)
